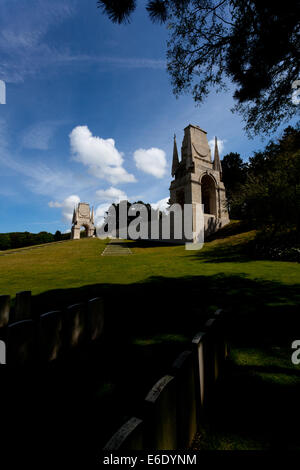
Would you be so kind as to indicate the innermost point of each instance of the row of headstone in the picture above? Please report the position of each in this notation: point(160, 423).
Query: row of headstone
point(4, 310)
point(22, 310)
point(50, 335)
point(173, 409)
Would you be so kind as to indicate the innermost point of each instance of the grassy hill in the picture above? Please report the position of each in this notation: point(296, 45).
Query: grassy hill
point(79, 264)
point(155, 301)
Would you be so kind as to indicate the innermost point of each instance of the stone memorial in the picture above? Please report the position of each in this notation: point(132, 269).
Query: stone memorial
point(129, 437)
point(4, 310)
point(50, 336)
point(198, 179)
point(220, 316)
point(160, 415)
point(82, 217)
point(216, 346)
point(203, 368)
point(21, 343)
point(75, 325)
point(184, 371)
point(95, 318)
point(22, 306)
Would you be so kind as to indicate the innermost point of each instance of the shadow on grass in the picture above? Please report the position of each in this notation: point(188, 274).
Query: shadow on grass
point(250, 412)
point(146, 325)
point(161, 305)
point(235, 227)
point(225, 253)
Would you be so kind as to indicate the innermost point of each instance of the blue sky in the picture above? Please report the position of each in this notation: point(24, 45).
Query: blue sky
point(90, 113)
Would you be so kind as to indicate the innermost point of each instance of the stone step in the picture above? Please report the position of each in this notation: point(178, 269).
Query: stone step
point(116, 248)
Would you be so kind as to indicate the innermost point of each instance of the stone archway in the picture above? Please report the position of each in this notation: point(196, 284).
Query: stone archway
point(208, 195)
point(84, 230)
point(83, 217)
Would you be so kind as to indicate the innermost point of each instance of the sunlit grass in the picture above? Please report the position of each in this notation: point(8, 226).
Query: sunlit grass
point(79, 263)
point(260, 293)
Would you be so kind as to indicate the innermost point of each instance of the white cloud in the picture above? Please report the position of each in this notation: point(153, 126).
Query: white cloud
point(152, 161)
point(67, 206)
point(100, 156)
point(221, 145)
point(56, 183)
point(162, 204)
point(111, 194)
point(100, 213)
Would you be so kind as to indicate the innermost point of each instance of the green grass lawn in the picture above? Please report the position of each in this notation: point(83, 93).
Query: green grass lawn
point(156, 300)
point(78, 263)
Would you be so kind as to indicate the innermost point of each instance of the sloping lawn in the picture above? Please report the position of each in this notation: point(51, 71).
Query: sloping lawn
point(155, 301)
point(79, 263)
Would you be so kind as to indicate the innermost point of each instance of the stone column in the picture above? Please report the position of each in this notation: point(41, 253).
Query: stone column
point(50, 336)
point(4, 310)
point(204, 370)
point(184, 371)
point(75, 326)
point(21, 343)
point(95, 318)
point(160, 416)
point(130, 436)
point(22, 306)
point(75, 233)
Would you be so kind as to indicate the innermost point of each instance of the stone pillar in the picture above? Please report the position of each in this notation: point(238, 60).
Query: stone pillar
point(160, 415)
point(184, 371)
point(90, 231)
point(2, 352)
point(130, 436)
point(22, 306)
point(75, 326)
point(216, 341)
point(50, 338)
point(219, 314)
point(204, 369)
point(21, 343)
point(95, 318)
point(76, 233)
point(4, 310)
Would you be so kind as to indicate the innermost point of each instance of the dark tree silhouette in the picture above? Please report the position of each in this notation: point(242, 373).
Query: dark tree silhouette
point(253, 43)
point(233, 172)
point(270, 195)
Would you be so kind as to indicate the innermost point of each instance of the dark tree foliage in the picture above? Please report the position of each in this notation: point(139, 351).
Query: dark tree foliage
point(5, 243)
point(57, 236)
point(270, 196)
point(118, 11)
point(22, 239)
point(253, 43)
point(233, 171)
